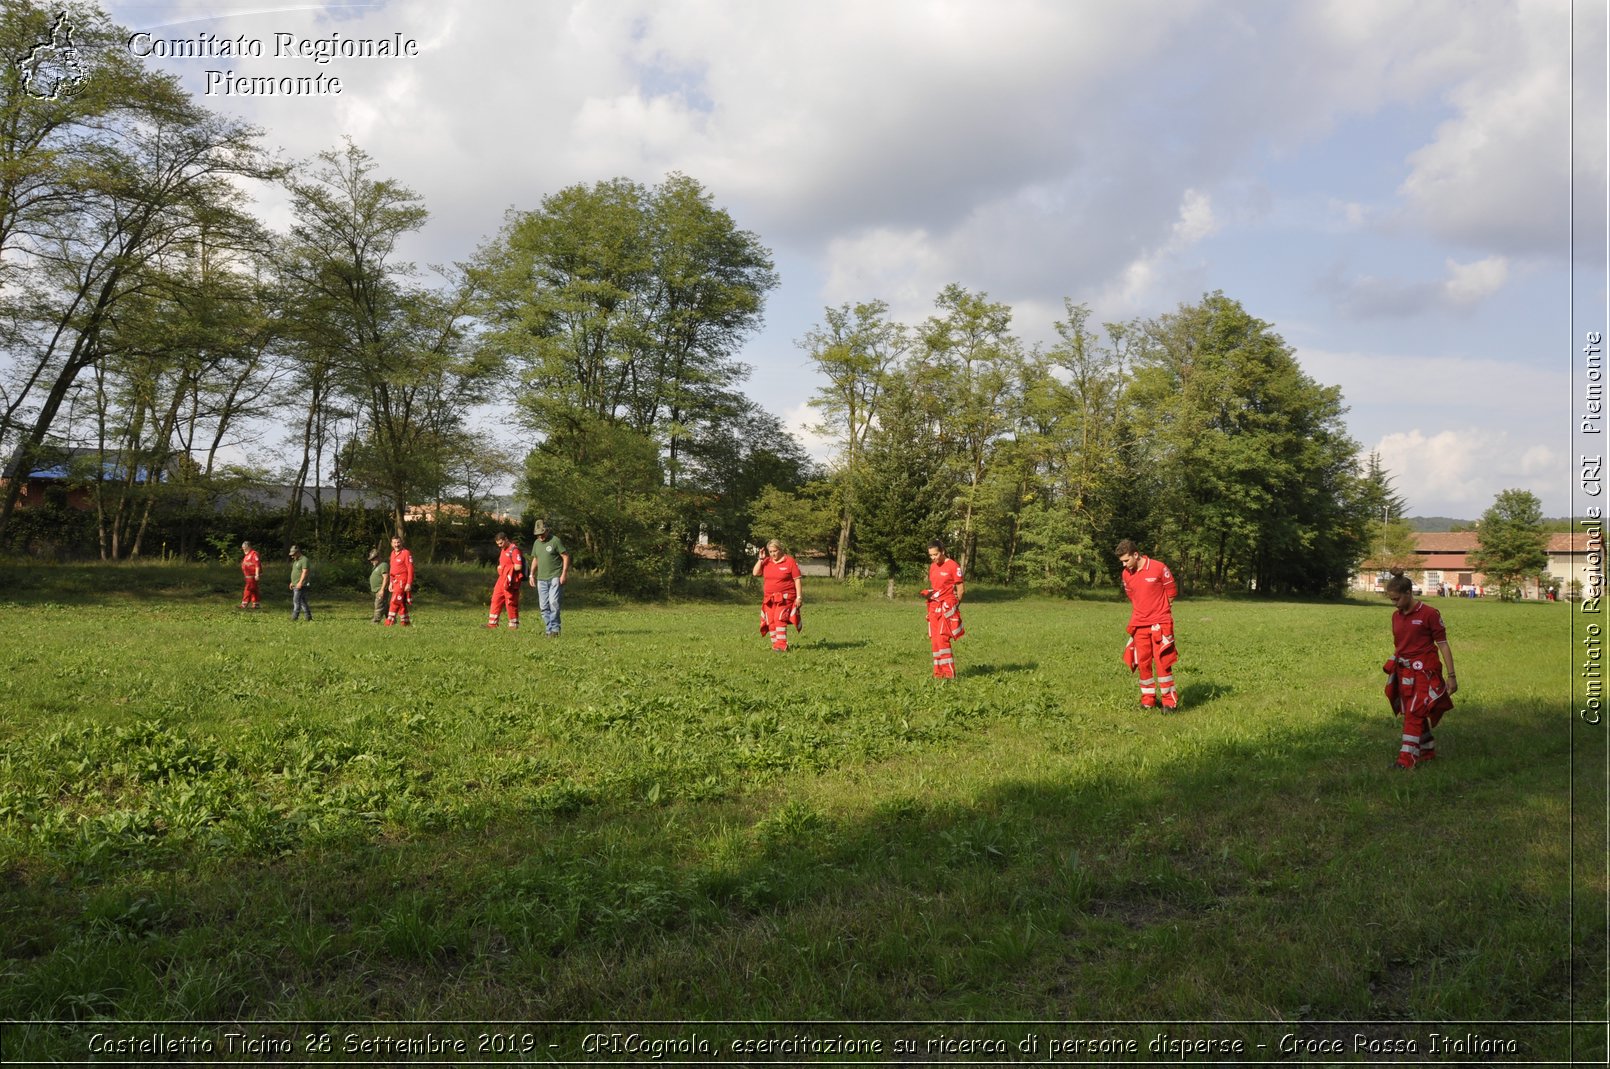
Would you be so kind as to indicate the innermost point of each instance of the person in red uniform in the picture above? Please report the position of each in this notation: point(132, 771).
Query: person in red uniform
point(1150, 588)
point(944, 595)
point(780, 594)
point(400, 574)
point(252, 568)
point(506, 591)
point(1416, 691)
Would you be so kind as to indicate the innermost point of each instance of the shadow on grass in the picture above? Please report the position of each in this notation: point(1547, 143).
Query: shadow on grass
point(835, 644)
point(1198, 694)
point(998, 669)
point(1209, 884)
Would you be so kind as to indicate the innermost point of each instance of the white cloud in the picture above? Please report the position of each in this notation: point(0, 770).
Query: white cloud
point(1472, 282)
point(799, 421)
point(1458, 471)
point(1496, 174)
point(1136, 288)
point(1465, 285)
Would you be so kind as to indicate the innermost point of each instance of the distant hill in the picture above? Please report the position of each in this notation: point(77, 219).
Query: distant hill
point(1436, 523)
point(1448, 523)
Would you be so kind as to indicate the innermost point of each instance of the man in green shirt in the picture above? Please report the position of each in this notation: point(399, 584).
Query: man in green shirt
point(299, 581)
point(552, 568)
point(377, 586)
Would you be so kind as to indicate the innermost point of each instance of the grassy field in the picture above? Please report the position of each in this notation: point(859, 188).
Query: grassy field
point(213, 816)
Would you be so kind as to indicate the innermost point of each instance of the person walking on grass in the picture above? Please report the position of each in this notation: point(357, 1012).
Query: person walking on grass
point(1151, 590)
point(944, 597)
point(782, 588)
point(506, 588)
point(552, 569)
point(377, 585)
point(400, 578)
point(251, 566)
point(301, 575)
point(1416, 690)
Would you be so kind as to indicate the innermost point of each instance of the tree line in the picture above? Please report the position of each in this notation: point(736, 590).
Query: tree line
point(153, 321)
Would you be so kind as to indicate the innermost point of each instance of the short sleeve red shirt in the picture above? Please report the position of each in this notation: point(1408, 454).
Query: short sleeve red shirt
point(1150, 588)
point(944, 577)
point(779, 575)
point(1416, 633)
point(249, 564)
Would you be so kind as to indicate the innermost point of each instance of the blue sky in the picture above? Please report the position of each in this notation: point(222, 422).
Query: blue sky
point(1388, 183)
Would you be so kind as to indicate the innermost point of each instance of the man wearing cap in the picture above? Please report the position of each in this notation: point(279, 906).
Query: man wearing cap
point(252, 568)
point(377, 585)
point(299, 581)
point(552, 568)
point(506, 590)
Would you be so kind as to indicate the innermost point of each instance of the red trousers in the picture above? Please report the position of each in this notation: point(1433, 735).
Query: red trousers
point(397, 612)
point(944, 627)
point(1417, 693)
point(249, 596)
point(777, 611)
point(505, 598)
point(1146, 644)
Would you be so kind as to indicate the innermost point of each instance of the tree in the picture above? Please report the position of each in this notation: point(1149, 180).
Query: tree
point(1380, 498)
point(740, 456)
point(971, 370)
point(624, 307)
point(1392, 549)
point(1510, 544)
point(98, 191)
point(1255, 477)
point(856, 349)
point(799, 519)
point(903, 487)
point(367, 333)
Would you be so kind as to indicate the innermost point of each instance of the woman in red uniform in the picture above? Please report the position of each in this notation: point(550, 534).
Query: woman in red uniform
point(780, 594)
point(1417, 692)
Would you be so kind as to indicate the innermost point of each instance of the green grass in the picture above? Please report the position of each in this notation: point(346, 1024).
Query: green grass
point(207, 815)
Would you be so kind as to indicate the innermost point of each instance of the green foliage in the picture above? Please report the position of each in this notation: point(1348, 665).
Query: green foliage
point(807, 518)
point(605, 483)
point(1254, 472)
point(624, 306)
point(394, 350)
point(902, 488)
point(1391, 548)
point(1510, 543)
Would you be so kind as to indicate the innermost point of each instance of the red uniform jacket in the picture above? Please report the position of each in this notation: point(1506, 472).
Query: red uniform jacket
point(401, 570)
point(1150, 588)
point(250, 565)
point(511, 567)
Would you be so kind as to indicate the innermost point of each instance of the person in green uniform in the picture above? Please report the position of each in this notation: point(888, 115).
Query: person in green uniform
point(552, 569)
point(300, 575)
point(377, 586)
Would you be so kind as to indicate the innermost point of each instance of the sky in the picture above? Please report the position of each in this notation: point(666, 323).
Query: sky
point(1411, 192)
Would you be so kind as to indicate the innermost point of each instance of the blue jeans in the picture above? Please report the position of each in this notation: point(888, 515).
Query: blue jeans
point(548, 591)
point(299, 603)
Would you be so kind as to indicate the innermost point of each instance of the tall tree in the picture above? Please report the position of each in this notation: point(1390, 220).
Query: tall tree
point(1510, 544)
point(903, 486)
point(971, 372)
point(624, 306)
point(101, 190)
point(1255, 476)
point(855, 348)
point(369, 331)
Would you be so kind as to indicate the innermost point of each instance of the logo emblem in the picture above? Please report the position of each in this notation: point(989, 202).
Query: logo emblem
point(52, 70)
